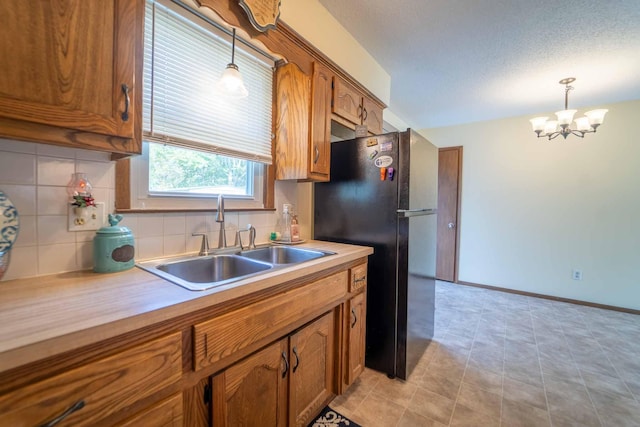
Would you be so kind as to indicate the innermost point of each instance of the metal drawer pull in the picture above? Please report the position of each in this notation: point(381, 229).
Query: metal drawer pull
point(286, 364)
point(361, 279)
point(125, 91)
point(355, 319)
point(317, 154)
point(295, 353)
point(75, 407)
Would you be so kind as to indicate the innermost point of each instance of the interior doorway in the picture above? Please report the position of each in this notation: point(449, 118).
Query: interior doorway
point(449, 180)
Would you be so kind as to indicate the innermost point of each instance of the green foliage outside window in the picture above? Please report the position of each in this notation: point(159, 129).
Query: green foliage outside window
point(176, 169)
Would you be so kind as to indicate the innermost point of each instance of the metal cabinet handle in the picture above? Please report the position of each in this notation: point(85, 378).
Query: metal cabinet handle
point(125, 91)
point(286, 364)
point(361, 279)
point(295, 353)
point(360, 110)
point(451, 225)
point(366, 114)
point(317, 154)
point(355, 318)
point(75, 407)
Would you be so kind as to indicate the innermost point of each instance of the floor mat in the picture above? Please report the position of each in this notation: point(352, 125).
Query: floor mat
point(330, 418)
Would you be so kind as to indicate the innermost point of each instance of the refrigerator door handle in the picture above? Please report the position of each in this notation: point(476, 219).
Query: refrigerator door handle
point(407, 213)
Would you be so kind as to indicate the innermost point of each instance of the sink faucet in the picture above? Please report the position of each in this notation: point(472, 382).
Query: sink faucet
point(222, 236)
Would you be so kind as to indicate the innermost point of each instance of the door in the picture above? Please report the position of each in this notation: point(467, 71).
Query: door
point(356, 337)
point(253, 392)
point(449, 173)
point(312, 381)
point(319, 151)
point(85, 75)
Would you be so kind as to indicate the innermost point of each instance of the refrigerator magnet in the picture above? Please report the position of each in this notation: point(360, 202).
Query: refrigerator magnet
point(372, 142)
point(383, 174)
point(383, 161)
point(386, 146)
point(390, 173)
point(373, 154)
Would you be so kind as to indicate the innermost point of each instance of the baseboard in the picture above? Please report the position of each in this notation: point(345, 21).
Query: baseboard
point(550, 297)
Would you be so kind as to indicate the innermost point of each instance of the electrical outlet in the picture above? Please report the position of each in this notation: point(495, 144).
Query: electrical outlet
point(86, 219)
point(576, 274)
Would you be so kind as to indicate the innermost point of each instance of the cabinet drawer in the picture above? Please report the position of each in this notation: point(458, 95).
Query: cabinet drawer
point(222, 336)
point(358, 279)
point(164, 414)
point(105, 386)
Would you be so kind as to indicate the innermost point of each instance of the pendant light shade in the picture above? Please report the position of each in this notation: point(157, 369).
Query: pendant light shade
point(230, 84)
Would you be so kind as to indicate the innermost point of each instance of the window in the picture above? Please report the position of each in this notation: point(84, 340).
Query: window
point(196, 143)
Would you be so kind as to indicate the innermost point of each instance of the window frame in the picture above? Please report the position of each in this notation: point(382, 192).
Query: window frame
point(126, 194)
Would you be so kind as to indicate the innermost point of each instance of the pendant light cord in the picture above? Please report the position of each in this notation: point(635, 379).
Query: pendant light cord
point(233, 45)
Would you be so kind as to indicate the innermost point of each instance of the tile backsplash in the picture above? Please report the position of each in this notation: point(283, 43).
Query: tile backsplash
point(34, 177)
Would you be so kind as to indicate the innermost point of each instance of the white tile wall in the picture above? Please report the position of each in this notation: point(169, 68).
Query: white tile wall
point(35, 176)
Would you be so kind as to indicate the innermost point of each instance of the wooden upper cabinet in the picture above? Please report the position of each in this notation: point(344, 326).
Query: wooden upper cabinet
point(320, 141)
point(73, 73)
point(372, 116)
point(303, 123)
point(350, 107)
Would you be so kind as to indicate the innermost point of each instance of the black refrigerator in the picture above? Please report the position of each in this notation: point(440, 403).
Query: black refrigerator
point(383, 194)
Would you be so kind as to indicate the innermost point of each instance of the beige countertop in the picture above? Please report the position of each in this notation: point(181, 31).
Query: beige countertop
point(48, 315)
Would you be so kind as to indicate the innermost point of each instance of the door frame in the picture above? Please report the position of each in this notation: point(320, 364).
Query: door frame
point(456, 260)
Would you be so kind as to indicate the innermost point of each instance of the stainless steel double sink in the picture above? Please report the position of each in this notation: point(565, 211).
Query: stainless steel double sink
point(198, 273)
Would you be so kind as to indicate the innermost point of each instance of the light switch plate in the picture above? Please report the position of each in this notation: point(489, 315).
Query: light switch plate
point(91, 219)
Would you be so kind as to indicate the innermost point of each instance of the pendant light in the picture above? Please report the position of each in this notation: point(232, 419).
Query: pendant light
point(230, 84)
point(554, 128)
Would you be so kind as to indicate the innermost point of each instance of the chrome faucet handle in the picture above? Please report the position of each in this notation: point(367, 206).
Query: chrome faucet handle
point(252, 236)
point(204, 246)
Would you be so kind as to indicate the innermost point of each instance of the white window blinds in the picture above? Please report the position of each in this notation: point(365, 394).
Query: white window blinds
point(183, 60)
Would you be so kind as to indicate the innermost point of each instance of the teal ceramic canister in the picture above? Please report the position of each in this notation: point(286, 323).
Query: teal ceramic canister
point(113, 247)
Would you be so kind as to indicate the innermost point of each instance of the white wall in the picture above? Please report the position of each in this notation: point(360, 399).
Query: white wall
point(313, 22)
point(532, 209)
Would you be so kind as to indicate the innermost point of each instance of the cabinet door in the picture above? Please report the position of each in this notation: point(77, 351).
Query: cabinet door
point(356, 337)
point(320, 141)
point(253, 392)
point(347, 101)
point(69, 62)
point(292, 122)
point(372, 116)
point(312, 369)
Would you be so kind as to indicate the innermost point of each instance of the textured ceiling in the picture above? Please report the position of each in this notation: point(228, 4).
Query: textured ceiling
point(460, 61)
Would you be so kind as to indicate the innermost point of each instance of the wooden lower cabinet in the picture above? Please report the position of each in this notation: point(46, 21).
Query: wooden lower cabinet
point(311, 383)
point(286, 383)
point(356, 331)
point(253, 392)
point(164, 414)
point(93, 393)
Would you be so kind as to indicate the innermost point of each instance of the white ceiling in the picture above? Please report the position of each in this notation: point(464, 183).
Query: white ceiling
point(459, 61)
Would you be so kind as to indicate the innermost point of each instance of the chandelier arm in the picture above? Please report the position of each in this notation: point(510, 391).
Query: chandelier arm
point(578, 133)
point(553, 135)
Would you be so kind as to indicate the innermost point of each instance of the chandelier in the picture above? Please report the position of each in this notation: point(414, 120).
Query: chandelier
point(553, 128)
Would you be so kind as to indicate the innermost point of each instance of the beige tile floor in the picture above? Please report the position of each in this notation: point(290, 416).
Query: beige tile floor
point(508, 360)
